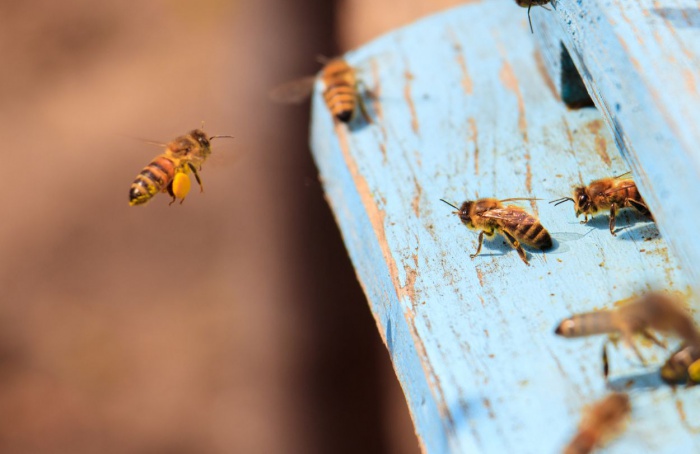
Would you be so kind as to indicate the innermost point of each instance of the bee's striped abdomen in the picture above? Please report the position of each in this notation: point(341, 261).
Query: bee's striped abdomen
point(589, 323)
point(153, 178)
point(340, 99)
point(531, 232)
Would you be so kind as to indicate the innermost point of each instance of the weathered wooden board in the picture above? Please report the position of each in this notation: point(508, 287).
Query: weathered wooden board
point(464, 109)
point(641, 61)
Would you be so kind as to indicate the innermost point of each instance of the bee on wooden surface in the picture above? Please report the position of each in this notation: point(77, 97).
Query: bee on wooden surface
point(606, 194)
point(529, 4)
point(600, 423)
point(340, 90)
point(168, 172)
point(651, 311)
point(490, 216)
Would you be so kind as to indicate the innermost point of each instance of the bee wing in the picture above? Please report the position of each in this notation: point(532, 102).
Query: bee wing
point(293, 92)
point(610, 191)
point(507, 214)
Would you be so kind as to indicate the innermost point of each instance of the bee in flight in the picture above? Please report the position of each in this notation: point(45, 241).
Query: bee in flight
point(651, 311)
point(529, 4)
point(168, 172)
point(607, 194)
point(600, 422)
point(341, 90)
point(490, 216)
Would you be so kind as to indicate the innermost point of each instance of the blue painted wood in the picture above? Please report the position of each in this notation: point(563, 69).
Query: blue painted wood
point(641, 59)
point(464, 110)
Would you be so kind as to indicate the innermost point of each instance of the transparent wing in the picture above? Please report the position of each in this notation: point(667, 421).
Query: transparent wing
point(293, 92)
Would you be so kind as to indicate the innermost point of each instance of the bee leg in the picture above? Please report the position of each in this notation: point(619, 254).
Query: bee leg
point(171, 192)
point(627, 336)
point(528, 17)
point(478, 248)
point(516, 245)
point(196, 175)
point(641, 207)
point(613, 211)
point(649, 335)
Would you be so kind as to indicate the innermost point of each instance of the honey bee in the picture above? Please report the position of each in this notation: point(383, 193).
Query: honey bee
point(168, 172)
point(529, 4)
point(607, 193)
point(341, 90)
point(651, 311)
point(490, 216)
point(600, 422)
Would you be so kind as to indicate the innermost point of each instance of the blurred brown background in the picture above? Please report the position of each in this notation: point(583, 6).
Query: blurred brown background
point(232, 323)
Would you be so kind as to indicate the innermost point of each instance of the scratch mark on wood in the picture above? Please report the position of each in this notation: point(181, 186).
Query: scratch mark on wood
point(409, 100)
point(510, 81)
point(489, 408)
point(377, 219)
point(377, 105)
point(684, 420)
point(542, 69)
point(475, 139)
point(601, 145)
point(479, 275)
point(467, 83)
point(415, 203)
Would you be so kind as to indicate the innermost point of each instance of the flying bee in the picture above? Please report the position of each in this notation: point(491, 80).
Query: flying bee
point(168, 172)
point(651, 311)
point(529, 4)
point(607, 193)
point(600, 422)
point(490, 216)
point(340, 90)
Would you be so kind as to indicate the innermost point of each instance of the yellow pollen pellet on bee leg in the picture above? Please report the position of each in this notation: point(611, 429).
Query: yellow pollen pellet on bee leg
point(694, 371)
point(181, 185)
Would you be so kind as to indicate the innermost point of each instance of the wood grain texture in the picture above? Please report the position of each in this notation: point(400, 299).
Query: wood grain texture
point(464, 109)
point(641, 62)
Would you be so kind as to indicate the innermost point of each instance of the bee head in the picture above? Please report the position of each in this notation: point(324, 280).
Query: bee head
point(200, 137)
point(582, 203)
point(464, 213)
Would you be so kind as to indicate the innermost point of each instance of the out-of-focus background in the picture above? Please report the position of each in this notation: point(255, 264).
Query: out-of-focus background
point(231, 323)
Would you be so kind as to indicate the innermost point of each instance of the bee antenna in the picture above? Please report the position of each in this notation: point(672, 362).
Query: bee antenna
point(528, 17)
point(450, 204)
point(560, 201)
point(220, 137)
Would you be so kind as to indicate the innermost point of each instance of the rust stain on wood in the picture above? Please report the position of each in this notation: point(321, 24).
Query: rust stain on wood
point(409, 100)
point(475, 139)
point(601, 145)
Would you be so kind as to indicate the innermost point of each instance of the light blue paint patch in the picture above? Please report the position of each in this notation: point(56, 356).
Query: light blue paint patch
point(464, 111)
